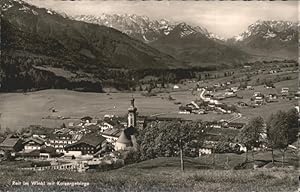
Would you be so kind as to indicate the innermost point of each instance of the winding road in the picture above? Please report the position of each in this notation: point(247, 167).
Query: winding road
point(235, 117)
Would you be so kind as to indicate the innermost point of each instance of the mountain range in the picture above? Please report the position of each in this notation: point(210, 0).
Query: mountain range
point(41, 48)
point(262, 38)
point(278, 38)
point(140, 27)
point(42, 37)
point(193, 45)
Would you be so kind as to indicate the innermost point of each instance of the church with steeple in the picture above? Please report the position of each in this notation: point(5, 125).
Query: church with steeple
point(127, 139)
point(132, 113)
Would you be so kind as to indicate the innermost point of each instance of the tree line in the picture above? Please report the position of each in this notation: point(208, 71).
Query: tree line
point(277, 133)
point(172, 138)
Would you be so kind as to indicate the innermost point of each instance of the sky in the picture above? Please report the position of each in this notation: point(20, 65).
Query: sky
point(224, 18)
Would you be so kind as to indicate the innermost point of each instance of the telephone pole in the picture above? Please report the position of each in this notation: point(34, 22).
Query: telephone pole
point(181, 157)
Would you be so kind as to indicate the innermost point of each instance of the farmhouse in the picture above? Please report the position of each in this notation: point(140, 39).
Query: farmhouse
point(249, 87)
point(111, 135)
point(11, 143)
point(105, 126)
point(284, 91)
point(185, 109)
point(238, 147)
point(44, 152)
point(272, 98)
point(258, 98)
point(297, 95)
point(89, 144)
point(206, 149)
point(59, 141)
point(258, 101)
point(33, 143)
point(234, 89)
point(86, 119)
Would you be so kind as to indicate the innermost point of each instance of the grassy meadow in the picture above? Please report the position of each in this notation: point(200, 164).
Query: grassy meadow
point(18, 110)
point(163, 174)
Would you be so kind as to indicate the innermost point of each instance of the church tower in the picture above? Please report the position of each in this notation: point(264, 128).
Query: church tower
point(132, 113)
point(127, 138)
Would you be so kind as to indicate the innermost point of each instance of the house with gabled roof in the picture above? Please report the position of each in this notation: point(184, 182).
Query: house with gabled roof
point(60, 140)
point(112, 135)
point(87, 145)
point(33, 143)
point(11, 143)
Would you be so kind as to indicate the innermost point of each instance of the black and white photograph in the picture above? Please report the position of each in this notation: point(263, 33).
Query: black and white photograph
point(149, 96)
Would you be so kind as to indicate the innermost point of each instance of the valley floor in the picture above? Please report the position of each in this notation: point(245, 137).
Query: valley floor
point(18, 110)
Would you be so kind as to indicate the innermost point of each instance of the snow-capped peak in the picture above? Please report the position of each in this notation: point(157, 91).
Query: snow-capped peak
point(215, 37)
point(27, 7)
point(140, 27)
point(187, 30)
point(267, 29)
point(143, 28)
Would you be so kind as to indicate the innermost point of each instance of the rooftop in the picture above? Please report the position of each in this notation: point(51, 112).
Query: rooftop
point(112, 132)
point(36, 140)
point(10, 141)
point(90, 139)
point(123, 139)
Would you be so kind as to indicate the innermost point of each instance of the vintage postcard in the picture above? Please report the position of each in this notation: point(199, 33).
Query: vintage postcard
point(149, 96)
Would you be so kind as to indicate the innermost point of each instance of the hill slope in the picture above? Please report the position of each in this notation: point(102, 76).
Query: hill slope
point(158, 175)
point(43, 37)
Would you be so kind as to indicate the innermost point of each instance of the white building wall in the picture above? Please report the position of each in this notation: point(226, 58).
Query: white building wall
point(120, 146)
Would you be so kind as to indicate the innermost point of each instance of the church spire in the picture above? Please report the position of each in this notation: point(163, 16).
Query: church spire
point(132, 113)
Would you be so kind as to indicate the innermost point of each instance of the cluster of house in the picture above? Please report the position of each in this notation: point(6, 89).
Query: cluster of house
point(214, 138)
point(192, 107)
point(210, 147)
point(214, 135)
point(90, 139)
point(205, 104)
point(259, 99)
point(225, 124)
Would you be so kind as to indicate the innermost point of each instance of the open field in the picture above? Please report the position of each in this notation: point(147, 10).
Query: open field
point(19, 110)
point(266, 110)
point(163, 174)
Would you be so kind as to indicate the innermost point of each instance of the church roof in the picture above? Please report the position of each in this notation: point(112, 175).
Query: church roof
point(123, 139)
